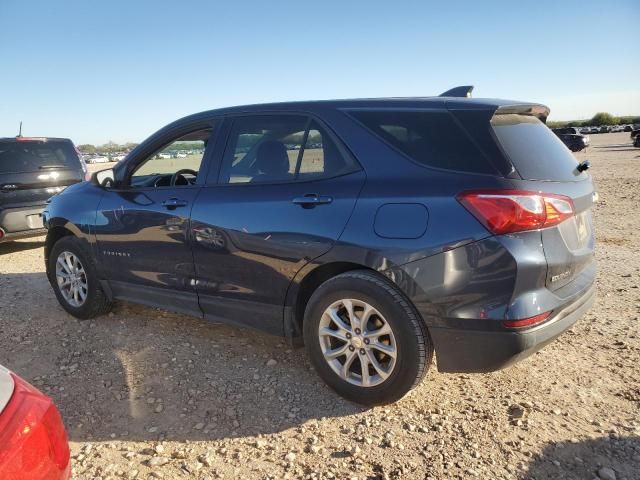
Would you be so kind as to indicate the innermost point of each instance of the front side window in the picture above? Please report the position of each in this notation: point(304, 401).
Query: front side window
point(280, 148)
point(177, 163)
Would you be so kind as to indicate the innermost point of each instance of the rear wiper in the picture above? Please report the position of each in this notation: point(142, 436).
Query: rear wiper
point(46, 167)
point(582, 166)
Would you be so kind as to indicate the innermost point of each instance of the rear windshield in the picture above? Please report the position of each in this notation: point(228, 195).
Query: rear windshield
point(432, 138)
point(536, 153)
point(36, 156)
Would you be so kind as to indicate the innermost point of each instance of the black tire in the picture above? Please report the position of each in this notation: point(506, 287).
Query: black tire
point(96, 303)
point(414, 346)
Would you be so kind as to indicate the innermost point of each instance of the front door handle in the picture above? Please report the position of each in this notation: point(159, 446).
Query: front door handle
point(172, 203)
point(312, 199)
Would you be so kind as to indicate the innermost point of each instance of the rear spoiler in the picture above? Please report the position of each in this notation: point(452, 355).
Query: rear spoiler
point(535, 109)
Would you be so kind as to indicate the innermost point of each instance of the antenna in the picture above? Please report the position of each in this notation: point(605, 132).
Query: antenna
point(20, 130)
point(459, 92)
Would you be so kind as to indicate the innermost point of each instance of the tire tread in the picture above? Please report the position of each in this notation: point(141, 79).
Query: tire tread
point(97, 301)
point(423, 348)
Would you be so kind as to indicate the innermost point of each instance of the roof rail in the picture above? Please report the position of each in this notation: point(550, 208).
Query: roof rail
point(464, 91)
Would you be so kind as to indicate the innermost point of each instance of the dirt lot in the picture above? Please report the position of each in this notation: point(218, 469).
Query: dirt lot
point(150, 394)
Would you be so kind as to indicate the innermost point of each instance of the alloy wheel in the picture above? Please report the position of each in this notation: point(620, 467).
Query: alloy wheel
point(357, 342)
point(71, 279)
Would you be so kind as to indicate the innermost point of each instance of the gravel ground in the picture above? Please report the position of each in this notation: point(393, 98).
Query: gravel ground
point(150, 394)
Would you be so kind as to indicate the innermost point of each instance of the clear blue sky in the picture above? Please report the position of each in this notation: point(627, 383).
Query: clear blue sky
point(119, 70)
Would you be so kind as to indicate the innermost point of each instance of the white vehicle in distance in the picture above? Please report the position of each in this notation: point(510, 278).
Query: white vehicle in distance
point(96, 159)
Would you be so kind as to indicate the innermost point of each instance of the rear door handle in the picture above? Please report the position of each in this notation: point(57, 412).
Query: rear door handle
point(312, 199)
point(174, 202)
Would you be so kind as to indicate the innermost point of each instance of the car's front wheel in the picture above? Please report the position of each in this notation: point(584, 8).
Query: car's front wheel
point(73, 276)
point(365, 339)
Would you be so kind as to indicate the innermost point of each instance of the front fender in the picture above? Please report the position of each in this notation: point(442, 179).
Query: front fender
point(73, 211)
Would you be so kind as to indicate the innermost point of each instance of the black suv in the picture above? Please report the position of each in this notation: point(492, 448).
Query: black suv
point(376, 231)
point(572, 138)
point(31, 171)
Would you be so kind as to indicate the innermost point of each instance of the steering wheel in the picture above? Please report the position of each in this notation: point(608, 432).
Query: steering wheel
point(179, 173)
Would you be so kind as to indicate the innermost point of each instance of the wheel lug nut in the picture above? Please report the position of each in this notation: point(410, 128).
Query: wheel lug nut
point(362, 352)
point(366, 341)
point(348, 335)
point(357, 331)
point(351, 348)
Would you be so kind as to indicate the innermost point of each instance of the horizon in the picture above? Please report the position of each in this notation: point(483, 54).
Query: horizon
point(119, 72)
point(132, 143)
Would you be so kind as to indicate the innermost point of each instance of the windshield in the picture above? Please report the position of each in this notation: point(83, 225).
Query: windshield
point(37, 155)
point(534, 150)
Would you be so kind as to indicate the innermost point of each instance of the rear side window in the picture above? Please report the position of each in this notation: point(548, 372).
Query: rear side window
point(36, 156)
point(281, 148)
point(534, 150)
point(432, 138)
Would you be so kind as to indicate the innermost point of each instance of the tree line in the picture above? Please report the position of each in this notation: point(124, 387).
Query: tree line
point(106, 149)
point(244, 141)
point(600, 118)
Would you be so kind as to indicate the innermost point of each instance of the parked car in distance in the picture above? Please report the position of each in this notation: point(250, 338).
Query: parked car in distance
point(628, 128)
point(398, 227)
point(567, 130)
point(95, 159)
point(33, 441)
point(575, 143)
point(634, 133)
point(571, 137)
point(33, 169)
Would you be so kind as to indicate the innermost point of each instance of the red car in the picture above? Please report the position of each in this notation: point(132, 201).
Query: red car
point(33, 442)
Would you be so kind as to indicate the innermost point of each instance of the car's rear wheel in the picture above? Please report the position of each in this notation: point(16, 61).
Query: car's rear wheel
point(73, 276)
point(365, 339)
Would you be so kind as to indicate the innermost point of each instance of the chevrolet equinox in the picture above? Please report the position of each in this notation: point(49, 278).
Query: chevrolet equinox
point(374, 231)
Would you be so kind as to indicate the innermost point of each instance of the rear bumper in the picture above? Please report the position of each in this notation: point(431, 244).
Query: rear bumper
point(467, 351)
point(21, 222)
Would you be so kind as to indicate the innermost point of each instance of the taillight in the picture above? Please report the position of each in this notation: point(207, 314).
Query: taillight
point(33, 442)
point(526, 322)
point(509, 211)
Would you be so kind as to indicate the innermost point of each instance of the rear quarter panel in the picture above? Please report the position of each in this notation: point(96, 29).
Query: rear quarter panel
point(393, 179)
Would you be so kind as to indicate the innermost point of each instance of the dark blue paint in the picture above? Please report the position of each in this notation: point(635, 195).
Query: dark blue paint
point(243, 253)
point(401, 220)
point(251, 240)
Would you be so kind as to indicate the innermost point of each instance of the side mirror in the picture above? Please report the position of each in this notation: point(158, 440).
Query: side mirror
point(103, 178)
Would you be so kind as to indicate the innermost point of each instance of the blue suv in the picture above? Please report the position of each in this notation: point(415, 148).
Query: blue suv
point(374, 231)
